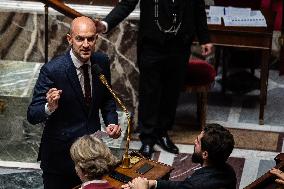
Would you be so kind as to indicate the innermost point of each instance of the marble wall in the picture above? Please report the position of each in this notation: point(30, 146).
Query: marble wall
point(19, 139)
point(22, 39)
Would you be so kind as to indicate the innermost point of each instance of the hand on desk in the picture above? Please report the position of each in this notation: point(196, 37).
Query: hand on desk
point(206, 49)
point(137, 183)
point(279, 174)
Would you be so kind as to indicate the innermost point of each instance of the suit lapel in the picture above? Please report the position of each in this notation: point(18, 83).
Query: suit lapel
point(74, 81)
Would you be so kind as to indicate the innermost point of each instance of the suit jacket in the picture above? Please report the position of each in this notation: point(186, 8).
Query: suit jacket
point(190, 12)
point(223, 177)
point(72, 118)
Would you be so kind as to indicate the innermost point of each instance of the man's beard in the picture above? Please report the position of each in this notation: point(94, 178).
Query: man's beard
point(197, 158)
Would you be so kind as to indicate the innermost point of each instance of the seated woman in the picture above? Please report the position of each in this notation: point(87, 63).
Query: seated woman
point(93, 159)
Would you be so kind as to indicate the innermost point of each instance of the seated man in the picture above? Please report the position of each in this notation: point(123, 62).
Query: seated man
point(212, 147)
point(93, 159)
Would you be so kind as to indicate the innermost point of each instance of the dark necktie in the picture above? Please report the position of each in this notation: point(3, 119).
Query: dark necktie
point(87, 85)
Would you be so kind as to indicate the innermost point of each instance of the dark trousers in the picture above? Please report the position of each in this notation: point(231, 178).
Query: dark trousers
point(55, 181)
point(162, 71)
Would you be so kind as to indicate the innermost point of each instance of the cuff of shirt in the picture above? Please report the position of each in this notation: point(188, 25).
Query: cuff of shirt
point(47, 111)
point(106, 26)
point(155, 185)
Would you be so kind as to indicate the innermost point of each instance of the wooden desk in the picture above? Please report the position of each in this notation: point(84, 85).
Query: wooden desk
point(251, 38)
point(159, 171)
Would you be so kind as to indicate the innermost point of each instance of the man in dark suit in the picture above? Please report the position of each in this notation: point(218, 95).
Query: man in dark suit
point(166, 31)
point(212, 147)
point(67, 98)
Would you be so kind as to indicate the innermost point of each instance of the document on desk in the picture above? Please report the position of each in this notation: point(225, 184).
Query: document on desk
point(256, 19)
point(214, 20)
point(228, 11)
point(235, 11)
point(214, 16)
point(216, 11)
point(234, 16)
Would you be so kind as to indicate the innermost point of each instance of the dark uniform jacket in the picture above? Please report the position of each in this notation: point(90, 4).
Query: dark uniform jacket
point(223, 177)
point(190, 12)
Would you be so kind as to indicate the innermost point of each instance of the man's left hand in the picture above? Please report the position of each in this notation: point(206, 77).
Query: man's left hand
point(113, 131)
point(206, 49)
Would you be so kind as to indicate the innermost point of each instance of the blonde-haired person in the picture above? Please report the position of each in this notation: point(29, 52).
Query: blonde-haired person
point(93, 159)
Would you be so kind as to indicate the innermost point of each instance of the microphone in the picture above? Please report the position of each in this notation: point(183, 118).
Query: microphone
point(98, 71)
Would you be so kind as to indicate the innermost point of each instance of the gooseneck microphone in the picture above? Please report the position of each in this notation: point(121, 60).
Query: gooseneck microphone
point(126, 158)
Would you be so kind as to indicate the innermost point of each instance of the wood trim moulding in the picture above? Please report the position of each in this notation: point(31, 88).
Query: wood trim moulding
point(62, 8)
point(93, 2)
point(31, 7)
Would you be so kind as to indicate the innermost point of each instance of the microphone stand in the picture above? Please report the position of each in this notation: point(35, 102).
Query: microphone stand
point(126, 158)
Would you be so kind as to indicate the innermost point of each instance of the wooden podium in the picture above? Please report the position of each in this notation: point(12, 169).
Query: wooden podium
point(158, 171)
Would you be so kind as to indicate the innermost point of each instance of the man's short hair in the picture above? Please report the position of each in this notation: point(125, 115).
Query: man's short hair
point(218, 142)
point(92, 156)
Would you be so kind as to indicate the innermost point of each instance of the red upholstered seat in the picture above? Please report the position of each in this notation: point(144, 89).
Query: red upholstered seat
point(200, 75)
point(277, 6)
point(199, 72)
